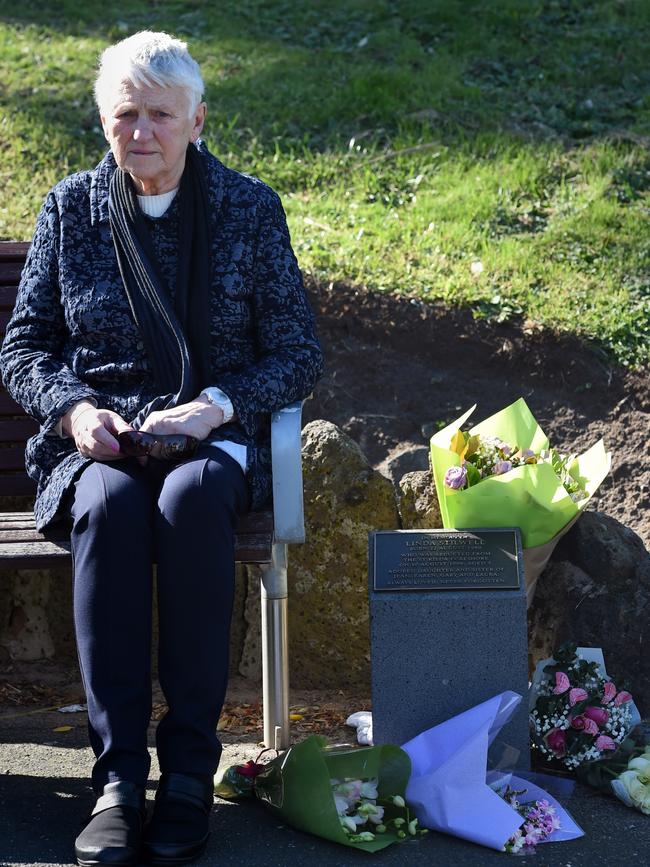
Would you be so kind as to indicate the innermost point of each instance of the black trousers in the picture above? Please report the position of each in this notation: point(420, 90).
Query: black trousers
point(182, 516)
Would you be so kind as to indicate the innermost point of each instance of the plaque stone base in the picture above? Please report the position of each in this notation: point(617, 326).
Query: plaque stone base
point(436, 653)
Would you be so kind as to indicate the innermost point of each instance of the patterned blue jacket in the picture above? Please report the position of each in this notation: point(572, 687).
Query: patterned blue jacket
point(72, 334)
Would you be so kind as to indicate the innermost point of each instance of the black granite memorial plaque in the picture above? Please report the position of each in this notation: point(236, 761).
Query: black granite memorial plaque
point(447, 629)
point(482, 559)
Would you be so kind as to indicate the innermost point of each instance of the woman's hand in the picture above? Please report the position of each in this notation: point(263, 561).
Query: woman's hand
point(196, 419)
point(94, 431)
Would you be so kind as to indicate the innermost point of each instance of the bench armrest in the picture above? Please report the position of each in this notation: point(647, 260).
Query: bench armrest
point(288, 516)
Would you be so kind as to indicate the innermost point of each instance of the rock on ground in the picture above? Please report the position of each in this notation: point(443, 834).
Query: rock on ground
point(418, 502)
point(328, 577)
point(406, 458)
point(596, 592)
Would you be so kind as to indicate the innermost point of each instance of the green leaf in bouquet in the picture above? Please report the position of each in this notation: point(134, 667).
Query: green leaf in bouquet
point(580, 743)
point(552, 669)
point(546, 705)
point(473, 475)
point(579, 706)
point(472, 445)
point(596, 774)
point(566, 652)
point(297, 786)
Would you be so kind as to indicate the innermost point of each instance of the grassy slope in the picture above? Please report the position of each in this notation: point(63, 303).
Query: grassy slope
point(410, 140)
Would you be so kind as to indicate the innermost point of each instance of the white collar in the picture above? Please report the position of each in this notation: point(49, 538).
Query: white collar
point(155, 206)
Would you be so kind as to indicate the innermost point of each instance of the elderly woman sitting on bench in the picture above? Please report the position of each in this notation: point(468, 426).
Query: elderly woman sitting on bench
point(160, 319)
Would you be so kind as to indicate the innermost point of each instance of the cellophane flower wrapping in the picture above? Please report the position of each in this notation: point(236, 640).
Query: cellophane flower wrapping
point(530, 497)
point(297, 786)
point(451, 790)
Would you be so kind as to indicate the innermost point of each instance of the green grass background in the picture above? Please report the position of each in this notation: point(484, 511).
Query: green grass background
point(410, 139)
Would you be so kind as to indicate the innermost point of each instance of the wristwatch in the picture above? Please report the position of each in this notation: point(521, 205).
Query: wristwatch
point(218, 398)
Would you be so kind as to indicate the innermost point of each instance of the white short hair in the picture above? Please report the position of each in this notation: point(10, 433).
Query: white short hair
point(148, 59)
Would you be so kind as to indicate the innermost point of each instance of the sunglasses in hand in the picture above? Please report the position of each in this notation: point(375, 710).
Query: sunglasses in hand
point(165, 447)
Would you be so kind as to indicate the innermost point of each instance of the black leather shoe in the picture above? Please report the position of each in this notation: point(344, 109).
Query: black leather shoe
point(179, 828)
point(113, 833)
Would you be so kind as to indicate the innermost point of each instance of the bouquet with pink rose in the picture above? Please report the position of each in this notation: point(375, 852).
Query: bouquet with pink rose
point(578, 715)
point(582, 722)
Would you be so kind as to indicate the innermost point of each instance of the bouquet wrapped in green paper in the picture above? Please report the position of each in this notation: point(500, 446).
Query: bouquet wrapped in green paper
point(503, 473)
point(347, 795)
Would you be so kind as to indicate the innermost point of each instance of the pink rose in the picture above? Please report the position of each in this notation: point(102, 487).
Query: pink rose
point(598, 714)
point(603, 742)
point(455, 478)
point(622, 697)
point(562, 683)
point(609, 692)
point(555, 740)
point(577, 694)
point(584, 724)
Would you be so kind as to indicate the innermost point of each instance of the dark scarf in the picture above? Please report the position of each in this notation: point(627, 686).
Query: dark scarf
point(176, 338)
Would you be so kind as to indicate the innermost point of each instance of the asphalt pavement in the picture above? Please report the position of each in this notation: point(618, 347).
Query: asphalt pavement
point(45, 795)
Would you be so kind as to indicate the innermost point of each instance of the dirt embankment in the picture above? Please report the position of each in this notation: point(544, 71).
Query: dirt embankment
point(397, 367)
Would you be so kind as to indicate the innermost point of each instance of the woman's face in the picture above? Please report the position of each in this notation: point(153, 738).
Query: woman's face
point(148, 130)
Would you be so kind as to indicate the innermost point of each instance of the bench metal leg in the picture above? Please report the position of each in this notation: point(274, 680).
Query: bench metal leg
point(275, 650)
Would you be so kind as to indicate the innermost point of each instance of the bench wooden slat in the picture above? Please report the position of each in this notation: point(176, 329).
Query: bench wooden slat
point(257, 551)
point(9, 279)
point(22, 546)
point(7, 293)
point(14, 250)
point(256, 522)
point(21, 534)
point(252, 524)
point(42, 553)
point(258, 542)
point(42, 548)
point(16, 485)
point(29, 534)
point(17, 429)
point(24, 528)
point(9, 406)
point(13, 526)
point(12, 458)
point(17, 519)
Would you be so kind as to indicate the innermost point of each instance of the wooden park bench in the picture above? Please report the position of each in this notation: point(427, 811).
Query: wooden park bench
point(261, 538)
